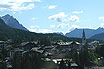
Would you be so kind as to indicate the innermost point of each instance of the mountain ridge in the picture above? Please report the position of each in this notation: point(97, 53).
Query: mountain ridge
point(77, 33)
point(21, 35)
point(98, 36)
point(13, 22)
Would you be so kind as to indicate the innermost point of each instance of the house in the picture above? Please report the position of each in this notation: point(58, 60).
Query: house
point(3, 44)
point(91, 65)
point(93, 45)
point(28, 46)
point(74, 45)
point(37, 49)
point(74, 66)
point(19, 52)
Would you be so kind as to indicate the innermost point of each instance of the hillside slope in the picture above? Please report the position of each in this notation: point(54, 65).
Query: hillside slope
point(13, 22)
point(98, 36)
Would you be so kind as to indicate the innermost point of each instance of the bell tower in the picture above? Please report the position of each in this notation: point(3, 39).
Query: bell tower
point(83, 38)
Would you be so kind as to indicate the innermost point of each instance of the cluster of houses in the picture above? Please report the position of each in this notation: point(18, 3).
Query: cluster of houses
point(56, 52)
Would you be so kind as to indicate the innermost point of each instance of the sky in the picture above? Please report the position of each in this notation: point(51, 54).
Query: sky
point(48, 16)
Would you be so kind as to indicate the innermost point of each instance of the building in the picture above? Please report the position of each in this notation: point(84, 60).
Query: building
point(83, 38)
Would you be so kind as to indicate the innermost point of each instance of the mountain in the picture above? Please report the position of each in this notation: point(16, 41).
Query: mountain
point(77, 33)
point(98, 36)
point(13, 22)
point(59, 33)
point(7, 32)
point(18, 35)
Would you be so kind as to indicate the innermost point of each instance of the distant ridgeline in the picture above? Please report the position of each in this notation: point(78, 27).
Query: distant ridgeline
point(77, 33)
point(6, 32)
point(19, 35)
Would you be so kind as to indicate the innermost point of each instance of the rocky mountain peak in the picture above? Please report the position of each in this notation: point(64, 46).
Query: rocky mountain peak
point(13, 22)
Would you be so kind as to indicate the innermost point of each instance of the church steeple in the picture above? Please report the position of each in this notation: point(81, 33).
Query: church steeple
point(83, 38)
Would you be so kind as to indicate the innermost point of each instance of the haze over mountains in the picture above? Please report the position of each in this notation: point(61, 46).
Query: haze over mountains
point(13, 22)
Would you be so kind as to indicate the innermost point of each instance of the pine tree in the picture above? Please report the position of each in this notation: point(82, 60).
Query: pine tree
point(62, 65)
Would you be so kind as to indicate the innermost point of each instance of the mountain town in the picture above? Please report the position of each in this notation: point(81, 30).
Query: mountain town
point(51, 34)
point(47, 51)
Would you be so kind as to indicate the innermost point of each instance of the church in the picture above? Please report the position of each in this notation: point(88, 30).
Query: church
point(83, 38)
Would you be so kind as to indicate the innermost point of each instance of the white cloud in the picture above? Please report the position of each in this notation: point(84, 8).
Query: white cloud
point(102, 25)
point(37, 29)
point(45, 31)
point(52, 26)
point(14, 12)
point(51, 7)
point(33, 27)
point(101, 18)
point(17, 5)
point(40, 30)
point(60, 17)
point(74, 18)
point(77, 12)
point(34, 18)
point(38, 0)
point(74, 27)
point(63, 25)
point(36, 26)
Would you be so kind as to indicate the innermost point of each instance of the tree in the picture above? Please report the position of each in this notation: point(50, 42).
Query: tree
point(4, 65)
point(62, 65)
point(31, 60)
point(16, 61)
point(100, 50)
point(44, 41)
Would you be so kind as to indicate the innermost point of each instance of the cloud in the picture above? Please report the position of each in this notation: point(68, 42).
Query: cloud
point(77, 12)
point(32, 26)
point(17, 5)
point(38, 0)
point(51, 7)
point(14, 12)
point(101, 18)
point(37, 29)
point(60, 17)
point(74, 18)
point(40, 30)
point(32, 30)
point(74, 27)
point(34, 18)
point(45, 31)
point(63, 25)
point(52, 26)
point(102, 25)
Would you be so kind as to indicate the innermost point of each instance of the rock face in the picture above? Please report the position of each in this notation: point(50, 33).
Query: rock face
point(13, 22)
point(77, 33)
